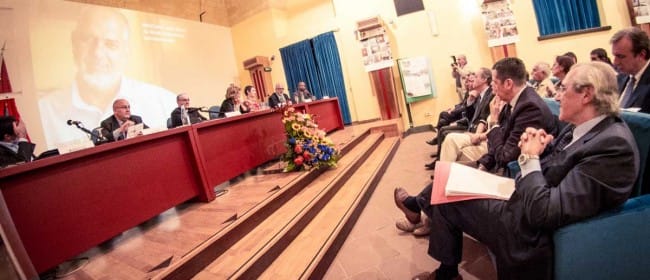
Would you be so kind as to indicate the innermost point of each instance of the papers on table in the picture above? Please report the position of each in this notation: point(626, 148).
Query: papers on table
point(134, 130)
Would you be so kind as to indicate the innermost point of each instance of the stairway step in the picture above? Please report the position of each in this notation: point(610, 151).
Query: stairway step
point(310, 251)
point(223, 255)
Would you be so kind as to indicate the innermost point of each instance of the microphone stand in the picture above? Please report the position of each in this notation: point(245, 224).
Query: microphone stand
point(100, 138)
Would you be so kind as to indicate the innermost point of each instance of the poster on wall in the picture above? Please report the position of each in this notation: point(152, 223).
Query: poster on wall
point(641, 11)
point(500, 24)
point(417, 78)
point(375, 52)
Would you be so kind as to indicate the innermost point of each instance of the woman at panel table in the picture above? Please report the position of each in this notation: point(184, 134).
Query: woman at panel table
point(232, 103)
point(250, 101)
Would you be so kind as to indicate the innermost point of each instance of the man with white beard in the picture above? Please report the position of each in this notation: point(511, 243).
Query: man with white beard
point(100, 46)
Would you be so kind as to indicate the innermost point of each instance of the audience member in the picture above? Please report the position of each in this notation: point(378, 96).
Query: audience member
point(454, 114)
point(523, 108)
point(573, 181)
point(560, 68)
point(459, 71)
point(232, 103)
point(115, 127)
point(301, 94)
point(100, 48)
point(183, 100)
point(481, 108)
point(250, 103)
point(600, 54)
point(279, 98)
point(14, 147)
point(573, 56)
point(541, 80)
point(631, 51)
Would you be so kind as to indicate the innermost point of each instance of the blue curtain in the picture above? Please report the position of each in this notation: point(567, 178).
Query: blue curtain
point(300, 65)
point(559, 16)
point(330, 72)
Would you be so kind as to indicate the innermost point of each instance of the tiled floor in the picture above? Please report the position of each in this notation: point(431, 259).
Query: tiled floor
point(375, 249)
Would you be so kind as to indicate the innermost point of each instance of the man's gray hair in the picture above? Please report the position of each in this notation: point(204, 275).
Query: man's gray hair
point(602, 77)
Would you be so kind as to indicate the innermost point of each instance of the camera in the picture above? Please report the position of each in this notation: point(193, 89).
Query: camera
point(455, 63)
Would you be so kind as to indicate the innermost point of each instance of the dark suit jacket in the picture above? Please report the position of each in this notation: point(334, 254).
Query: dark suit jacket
point(295, 99)
point(228, 105)
point(110, 124)
point(530, 111)
point(641, 94)
point(592, 175)
point(274, 100)
point(481, 110)
point(195, 117)
point(24, 154)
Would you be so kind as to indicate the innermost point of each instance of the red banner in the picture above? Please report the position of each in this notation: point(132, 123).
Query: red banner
point(5, 84)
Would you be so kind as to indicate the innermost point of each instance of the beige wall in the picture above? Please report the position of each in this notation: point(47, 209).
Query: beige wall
point(460, 30)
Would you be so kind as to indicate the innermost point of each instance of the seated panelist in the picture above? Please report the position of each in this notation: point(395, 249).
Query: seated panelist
point(232, 103)
point(14, 147)
point(279, 98)
point(114, 128)
point(184, 100)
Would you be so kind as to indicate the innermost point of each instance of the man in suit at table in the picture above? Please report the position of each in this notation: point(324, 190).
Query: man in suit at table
point(302, 94)
point(183, 100)
point(590, 168)
point(14, 147)
point(279, 98)
point(631, 50)
point(114, 128)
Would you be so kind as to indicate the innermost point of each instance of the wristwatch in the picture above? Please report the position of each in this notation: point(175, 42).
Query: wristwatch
point(523, 158)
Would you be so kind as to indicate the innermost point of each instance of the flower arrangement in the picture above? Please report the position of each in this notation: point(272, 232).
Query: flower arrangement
point(307, 146)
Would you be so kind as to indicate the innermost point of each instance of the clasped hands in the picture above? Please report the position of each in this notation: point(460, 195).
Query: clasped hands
point(533, 141)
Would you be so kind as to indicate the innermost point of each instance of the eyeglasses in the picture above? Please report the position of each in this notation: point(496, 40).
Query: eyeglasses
point(186, 99)
point(123, 107)
point(561, 88)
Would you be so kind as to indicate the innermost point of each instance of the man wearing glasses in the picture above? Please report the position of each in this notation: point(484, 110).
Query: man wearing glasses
point(183, 101)
point(115, 127)
point(279, 98)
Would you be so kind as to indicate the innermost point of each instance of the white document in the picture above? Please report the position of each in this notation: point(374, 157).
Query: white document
point(232, 114)
point(465, 180)
point(74, 145)
point(134, 130)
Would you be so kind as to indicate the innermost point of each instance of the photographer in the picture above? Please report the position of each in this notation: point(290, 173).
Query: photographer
point(459, 72)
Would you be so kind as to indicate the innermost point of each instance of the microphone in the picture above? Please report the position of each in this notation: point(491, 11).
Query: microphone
point(71, 122)
point(194, 109)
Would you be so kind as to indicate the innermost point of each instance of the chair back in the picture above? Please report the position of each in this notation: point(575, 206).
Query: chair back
point(169, 123)
point(214, 112)
point(639, 124)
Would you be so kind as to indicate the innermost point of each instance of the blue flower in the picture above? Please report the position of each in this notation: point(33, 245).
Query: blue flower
point(292, 141)
point(326, 157)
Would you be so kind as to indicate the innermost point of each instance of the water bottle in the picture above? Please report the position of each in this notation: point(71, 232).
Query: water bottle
point(185, 117)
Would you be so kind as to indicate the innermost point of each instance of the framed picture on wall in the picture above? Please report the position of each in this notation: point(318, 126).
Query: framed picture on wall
point(639, 11)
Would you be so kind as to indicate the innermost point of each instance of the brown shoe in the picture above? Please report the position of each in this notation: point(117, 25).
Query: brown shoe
point(406, 226)
point(424, 229)
point(400, 195)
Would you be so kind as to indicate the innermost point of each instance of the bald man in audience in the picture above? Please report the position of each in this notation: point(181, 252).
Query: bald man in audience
point(590, 168)
point(631, 50)
point(115, 127)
